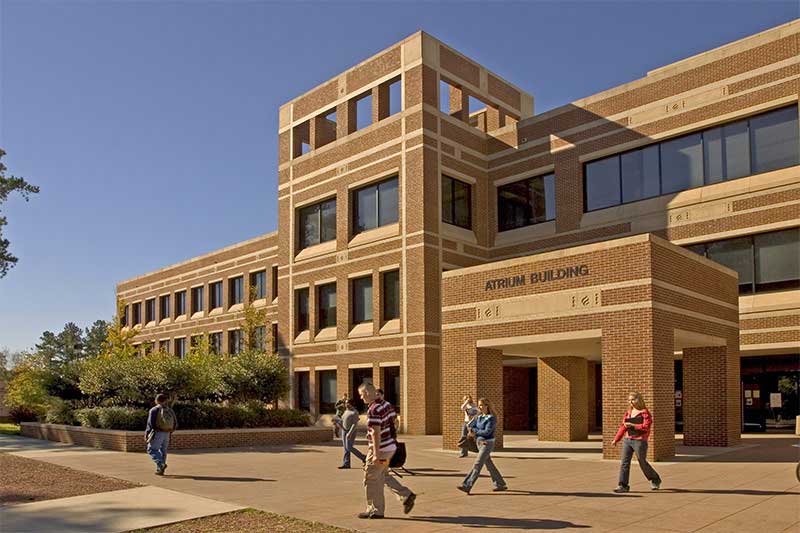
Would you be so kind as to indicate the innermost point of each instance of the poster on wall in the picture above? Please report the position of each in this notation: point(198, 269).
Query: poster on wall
point(775, 400)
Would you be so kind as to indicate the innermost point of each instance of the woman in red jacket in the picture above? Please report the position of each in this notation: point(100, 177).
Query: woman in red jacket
point(636, 429)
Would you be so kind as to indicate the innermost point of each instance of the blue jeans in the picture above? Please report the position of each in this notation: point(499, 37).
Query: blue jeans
point(485, 448)
point(349, 447)
point(157, 447)
point(464, 430)
point(629, 447)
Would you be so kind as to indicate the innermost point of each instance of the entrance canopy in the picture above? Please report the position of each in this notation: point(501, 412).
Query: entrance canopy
point(630, 304)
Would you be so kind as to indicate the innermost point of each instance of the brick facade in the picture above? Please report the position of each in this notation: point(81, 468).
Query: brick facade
point(501, 144)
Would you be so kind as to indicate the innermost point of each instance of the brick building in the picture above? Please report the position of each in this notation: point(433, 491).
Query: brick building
point(418, 192)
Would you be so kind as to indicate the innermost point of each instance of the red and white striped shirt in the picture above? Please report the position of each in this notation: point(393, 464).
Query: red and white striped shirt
point(381, 417)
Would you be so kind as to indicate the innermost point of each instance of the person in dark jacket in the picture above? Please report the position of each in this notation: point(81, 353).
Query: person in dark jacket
point(161, 422)
point(482, 428)
point(635, 429)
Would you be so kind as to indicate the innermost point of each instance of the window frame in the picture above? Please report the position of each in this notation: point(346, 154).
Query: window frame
point(301, 244)
point(320, 309)
point(235, 294)
point(353, 307)
point(529, 201)
point(254, 284)
point(180, 296)
point(215, 295)
point(297, 294)
point(384, 275)
point(354, 230)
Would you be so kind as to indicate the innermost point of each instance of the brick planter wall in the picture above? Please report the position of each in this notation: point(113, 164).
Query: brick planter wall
point(133, 441)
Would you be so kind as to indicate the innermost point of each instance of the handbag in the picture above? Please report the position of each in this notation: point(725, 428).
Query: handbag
point(468, 443)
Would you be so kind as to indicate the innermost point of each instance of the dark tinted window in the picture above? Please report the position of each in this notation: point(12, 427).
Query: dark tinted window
point(326, 303)
point(215, 294)
point(526, 202)
point(375, 205)
point(362, 300)
point(258, 284)
point(456, 202)
point(774, 140)
point(391, 295)
point(317, 223)
point(180, 303)
point(302, 310)
point(235, 290)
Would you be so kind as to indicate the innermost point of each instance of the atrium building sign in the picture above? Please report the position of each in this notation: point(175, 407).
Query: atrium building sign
point(536, 277)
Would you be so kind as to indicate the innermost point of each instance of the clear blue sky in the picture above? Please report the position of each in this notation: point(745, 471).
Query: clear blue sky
point(151, 127)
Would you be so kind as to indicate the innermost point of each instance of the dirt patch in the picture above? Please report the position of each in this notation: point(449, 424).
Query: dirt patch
point(24, 480)
point(249, 520)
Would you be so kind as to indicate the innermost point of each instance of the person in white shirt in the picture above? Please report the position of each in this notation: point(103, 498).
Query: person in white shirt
point(470, 411)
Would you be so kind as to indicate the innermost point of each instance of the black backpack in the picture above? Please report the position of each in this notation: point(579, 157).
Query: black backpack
point(399, 457)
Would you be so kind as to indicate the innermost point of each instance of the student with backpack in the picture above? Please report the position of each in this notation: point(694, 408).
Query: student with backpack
point(161, 422)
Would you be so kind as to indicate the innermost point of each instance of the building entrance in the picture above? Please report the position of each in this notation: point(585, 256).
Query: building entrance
point(620, 309)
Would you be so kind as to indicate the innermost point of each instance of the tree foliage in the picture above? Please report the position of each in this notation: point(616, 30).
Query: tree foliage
point(8, 185)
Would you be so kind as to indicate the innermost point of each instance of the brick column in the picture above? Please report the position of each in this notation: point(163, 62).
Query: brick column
point(313, 393)
point(561, 398)
point(459, 104)
point(490, 386)
point(591, 398)
point(342, 380)
point(710, 388)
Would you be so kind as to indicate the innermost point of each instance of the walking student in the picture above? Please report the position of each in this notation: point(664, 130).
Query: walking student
point(482, 429)
point(349, 428)
point(161, 422)
point(340, 406)
point(470, 411)
point(382, 441)
point(636, 424)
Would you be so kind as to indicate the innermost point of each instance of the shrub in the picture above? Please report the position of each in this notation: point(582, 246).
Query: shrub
point(22, 413)
point(204, 415)
point(27, 392)
point(59, 411)
point(126, 418)
point(255, 376)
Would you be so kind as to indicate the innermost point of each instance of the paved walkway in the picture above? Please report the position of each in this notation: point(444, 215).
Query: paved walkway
point(552, 485)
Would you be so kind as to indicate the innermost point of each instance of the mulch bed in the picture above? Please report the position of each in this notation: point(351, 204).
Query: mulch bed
point(249, 520)
point(24, 480)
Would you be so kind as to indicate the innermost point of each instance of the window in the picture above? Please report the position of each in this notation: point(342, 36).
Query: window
point(197, 300)
point(456, 202)
point(215, 342)
point(375, 206)
point(235, 344)
point(327, 391)
point(180, 347)
point(215, 295)
point(260, 339)
point(317, 223)
point(759, 144)
point(765, 262)
point(274, 287)
point(236, 290)
point(527, 202)
point(163, 346)
point(326, 305)
point(391, 295)
point(180, 303)
point(275, 338)
point(302, 309)
point(258, 285)
point(362, 300)
point(150, 310)
point(194, 341)
point(363, 110)
point(164, 307)
point(136, 311)
point(123, 319)
point(303, 390)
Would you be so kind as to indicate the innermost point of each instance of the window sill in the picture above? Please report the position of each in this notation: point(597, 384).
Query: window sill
point(392, 326)
point(361, 330)
point(449, 231)
point(216, 311)
point(326, 334)
point(165, 321)
point(317, 249)
point(197, 315)
point(236, 307)
point(303, 337)
point(181, 318)
point(261, 302)
point(377, 234)
point(150, 324)
point(522, 235)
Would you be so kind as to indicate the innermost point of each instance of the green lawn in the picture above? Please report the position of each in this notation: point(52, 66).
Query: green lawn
point(7, 428)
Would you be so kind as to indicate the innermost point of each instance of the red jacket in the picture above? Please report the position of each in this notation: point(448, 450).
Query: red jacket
point(644, 427)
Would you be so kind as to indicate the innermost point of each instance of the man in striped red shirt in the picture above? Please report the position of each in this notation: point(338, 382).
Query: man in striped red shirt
point(382, 442)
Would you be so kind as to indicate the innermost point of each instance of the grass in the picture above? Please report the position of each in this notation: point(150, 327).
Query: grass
point(249, 520)
point(6, 428)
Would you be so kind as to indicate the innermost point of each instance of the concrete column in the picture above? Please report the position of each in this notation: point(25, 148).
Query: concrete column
point(380, 102)
point(345, 118)
point(562, 403)
point(323, 131)
point(710, 397)
point(459, 104)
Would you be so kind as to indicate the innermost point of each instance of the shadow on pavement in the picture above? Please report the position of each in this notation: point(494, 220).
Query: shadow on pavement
point(512, 492)
point(743, 492)
point(496, 522)
point(217, 478)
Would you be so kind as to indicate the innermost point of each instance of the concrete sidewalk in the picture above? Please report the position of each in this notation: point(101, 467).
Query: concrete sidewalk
point(552, 485)
point(108, 512)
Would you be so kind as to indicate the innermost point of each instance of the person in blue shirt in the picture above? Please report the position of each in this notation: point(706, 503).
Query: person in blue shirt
point(482, 428)
point(161, 422)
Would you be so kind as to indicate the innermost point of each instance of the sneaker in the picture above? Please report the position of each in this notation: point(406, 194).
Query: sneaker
point(408, 504)
point(370, 515)
point(500, 489)
point(343, 467)
point(622, 488)
point(655, 485)
point(462, 455)
point(159, 471)
point(163, 468)
point(464, 489)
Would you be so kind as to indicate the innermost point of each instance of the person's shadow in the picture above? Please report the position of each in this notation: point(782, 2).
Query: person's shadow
point(497, 522)
point(218, 478)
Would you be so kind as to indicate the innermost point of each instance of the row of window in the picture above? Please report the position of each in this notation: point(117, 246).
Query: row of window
point(361, 310)
point(328, 391)
point(374, 206)
point(360, 115)
point(761, 143)
point(175, 305)
point(236, 342)
point(765, 261)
